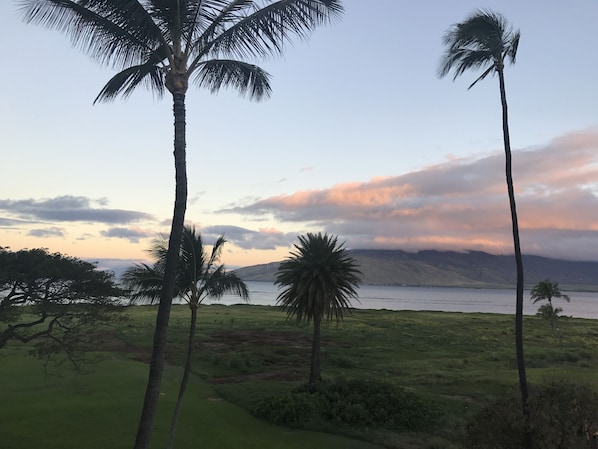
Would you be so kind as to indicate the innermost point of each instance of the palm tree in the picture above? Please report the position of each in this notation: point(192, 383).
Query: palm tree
point(549, 312)
point(319, 280)
point(486, 41)
point(199, 276)
point(162, 45)
point(545, 291)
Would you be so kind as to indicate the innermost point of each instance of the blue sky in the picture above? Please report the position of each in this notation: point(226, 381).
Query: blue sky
point(360, 139)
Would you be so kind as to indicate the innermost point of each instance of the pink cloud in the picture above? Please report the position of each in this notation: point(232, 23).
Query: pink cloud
point(462, 203)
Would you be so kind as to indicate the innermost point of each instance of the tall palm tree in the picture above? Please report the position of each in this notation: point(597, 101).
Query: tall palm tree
point(162, 45)
point(319, 280)
point(486, 41)
point(545, 291)
point(199, 276)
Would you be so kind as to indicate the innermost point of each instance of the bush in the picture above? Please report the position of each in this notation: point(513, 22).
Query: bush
point(563, 416)
point(356, 403)
point(292, 410)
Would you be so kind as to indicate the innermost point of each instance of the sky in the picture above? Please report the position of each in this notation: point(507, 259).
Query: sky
point(360, 139)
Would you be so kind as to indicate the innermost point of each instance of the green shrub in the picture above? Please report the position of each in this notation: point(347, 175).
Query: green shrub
point(562, 416)
point(356, 403)
point(293, 409)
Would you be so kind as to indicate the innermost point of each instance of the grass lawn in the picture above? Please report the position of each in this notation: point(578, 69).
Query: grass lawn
point(100, 410)
point(245, 353)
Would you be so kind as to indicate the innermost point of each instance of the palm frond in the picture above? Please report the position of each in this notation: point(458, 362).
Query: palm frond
point(125, 82)
point(511, 52)
point(221, 282)
point(218, 15)
point(463, 59)
point(114, 32)
point(159, 249)
point(247, 78)
point(266, 30)
point(144, 283)
point(217, 250)
point(481, 77)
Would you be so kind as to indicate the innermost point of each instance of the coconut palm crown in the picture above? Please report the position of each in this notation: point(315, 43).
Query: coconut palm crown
point(483, 41)
point(546, 290)
point(318, 281)
point(167, 43)
point(199, 274)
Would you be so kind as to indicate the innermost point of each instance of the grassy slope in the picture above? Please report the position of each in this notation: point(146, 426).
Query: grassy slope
point(248, 352)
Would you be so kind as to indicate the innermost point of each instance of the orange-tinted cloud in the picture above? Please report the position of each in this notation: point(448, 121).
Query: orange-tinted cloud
point(462, 204)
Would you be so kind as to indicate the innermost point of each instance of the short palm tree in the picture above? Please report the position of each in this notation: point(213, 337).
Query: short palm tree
point(485, 41)
point(164, 45)
point(545, 291)
point(319, 280)
point(199, 276)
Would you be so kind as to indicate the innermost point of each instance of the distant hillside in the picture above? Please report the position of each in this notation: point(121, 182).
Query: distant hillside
point(453, 269)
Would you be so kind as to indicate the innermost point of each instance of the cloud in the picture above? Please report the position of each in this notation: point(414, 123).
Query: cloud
point(133, 235)
point(11, 222)
point(263, 239)
point(193, 199)
point(70, 209)
point(462, 204)
point(47, 233)
point(116, 266)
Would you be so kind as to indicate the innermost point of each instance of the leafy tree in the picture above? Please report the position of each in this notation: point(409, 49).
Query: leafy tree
point(318, 280)
point(486, 41)
point(199, 276)
point(565, 416)
point(55, 302)
point(545, 291)
point(162, 45)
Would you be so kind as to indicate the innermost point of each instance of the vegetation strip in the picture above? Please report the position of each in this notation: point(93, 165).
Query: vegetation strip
point(245, 354)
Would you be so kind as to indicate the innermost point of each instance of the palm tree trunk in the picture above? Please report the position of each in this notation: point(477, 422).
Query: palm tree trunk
point(519, 262)
point(314, 372)
point(5, 336)
point(552, 314)
point(185, 378)
point(152, 392)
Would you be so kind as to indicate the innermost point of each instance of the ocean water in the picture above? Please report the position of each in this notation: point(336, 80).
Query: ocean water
point(467, 300)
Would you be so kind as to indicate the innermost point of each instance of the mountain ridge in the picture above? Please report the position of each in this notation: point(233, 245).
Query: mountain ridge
point(432, 268)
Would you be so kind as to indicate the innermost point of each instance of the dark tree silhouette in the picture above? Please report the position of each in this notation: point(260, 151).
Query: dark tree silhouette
point(55, 302)
point(318, 281)
point(486, 41)
point(545, 291)
point(199, 276)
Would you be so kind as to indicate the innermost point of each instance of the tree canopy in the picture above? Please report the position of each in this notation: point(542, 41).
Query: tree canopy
point(319, 280)
point(483, 41)
point(200, 274)
point(54, 302)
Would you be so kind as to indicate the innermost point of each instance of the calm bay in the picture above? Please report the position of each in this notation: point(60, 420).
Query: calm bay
point(466, 300)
